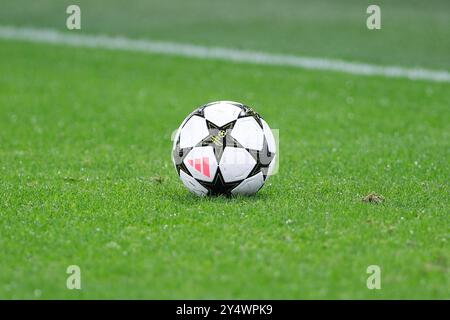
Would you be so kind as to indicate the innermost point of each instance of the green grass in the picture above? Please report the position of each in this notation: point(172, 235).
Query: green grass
point(83, 131)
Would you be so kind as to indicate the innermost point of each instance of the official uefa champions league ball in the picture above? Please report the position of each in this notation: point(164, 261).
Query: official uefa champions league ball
point(224, 148)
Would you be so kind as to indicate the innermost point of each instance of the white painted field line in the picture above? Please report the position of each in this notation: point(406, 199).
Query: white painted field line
point(196, 51)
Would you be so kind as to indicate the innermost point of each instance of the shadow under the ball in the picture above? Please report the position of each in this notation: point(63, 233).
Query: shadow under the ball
point(186, 198)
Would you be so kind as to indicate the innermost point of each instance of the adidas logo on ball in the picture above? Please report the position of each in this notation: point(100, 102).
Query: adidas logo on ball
point(201, 165)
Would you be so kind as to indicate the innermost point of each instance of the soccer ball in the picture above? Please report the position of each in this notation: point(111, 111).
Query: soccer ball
point(224, 148)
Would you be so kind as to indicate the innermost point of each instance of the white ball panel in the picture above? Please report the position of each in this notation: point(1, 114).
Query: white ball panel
point(177, 134)
point(248, 132)
point(192, 184)
point(250, 185)
point(193, 132)
point(269, 137)
point(201, 163)
point(221, 113)
point(225, 101)
point(236, 164)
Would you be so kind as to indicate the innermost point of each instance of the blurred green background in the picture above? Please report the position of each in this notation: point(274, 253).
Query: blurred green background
point(413, 33)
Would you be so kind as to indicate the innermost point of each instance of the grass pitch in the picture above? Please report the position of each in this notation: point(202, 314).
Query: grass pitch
point(86, 179)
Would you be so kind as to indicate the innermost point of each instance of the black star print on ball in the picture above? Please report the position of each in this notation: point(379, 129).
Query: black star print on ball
point(219, 138)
